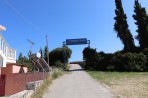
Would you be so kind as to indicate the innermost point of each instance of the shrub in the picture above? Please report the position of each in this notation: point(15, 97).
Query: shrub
point(58, 55)
point(56, 73)
point(59, 64)
point(129, 62)
point(119, 61)
point(104, 61)
point(91, 58)
point(145, 51)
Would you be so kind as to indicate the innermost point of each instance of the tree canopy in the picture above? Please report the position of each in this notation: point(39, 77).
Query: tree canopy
point(141, 19)
point(121, 27)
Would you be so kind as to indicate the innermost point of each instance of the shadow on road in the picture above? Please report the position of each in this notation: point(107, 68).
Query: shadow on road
point(76, 70)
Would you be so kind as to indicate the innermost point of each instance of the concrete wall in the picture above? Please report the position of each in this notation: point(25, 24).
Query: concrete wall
point(6, 70)
point(14, 83)
point(10, 69)
point(19, 69)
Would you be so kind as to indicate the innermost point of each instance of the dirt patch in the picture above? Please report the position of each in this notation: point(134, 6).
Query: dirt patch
point(124, 84)
point(134, 87)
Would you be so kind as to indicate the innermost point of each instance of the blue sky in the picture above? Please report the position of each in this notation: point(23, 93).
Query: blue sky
point(61, 20)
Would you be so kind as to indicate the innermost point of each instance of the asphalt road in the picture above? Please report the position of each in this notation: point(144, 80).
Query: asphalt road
point(77, 84)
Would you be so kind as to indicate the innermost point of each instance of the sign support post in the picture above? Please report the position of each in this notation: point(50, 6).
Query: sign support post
point(88, 41)
point(78, 41)
point(64, 55)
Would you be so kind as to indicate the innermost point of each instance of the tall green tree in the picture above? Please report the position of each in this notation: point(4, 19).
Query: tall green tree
point(24, 61)
point(141, 19)
point(45, 53)
point(91, 58)
point(147, 22)
point(29, 53)
point(41, 52)
point(58, 55)
point(20, 56)
point(121, 27)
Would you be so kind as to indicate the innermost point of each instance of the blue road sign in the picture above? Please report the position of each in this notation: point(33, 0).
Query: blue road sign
point(79, 41)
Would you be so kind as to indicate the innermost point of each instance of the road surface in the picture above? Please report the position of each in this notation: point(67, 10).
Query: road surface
point(77, 84)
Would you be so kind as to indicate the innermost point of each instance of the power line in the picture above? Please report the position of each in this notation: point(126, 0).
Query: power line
point(21, 15)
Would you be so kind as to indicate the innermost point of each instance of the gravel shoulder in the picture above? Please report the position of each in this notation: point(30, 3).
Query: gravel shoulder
point(77, 84)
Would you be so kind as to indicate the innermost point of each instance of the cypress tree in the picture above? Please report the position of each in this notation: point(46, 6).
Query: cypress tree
point(121, 28)
point(141, 19)
point(147, 23)
point(20, 56)
point(41, 52)
point(45, 53)
point(29, 53)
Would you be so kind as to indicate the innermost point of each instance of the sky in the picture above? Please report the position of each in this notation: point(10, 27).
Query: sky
point(61, 20)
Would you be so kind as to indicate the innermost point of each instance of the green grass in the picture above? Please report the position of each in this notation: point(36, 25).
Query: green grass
point(57, 72)
point(68, 67)
point(106, 77)
point(121, 83)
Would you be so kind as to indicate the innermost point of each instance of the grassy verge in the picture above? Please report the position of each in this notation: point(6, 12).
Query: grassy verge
point(42, 89)
point(68, 67)
point(126, 84)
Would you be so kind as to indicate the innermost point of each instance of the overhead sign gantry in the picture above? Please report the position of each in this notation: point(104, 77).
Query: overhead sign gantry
point(78, 41)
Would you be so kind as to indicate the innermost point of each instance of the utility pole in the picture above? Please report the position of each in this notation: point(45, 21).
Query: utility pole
point(47, 49)
point(64, 55)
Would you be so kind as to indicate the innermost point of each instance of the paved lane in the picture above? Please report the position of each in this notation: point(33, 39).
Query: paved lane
point(77, 84)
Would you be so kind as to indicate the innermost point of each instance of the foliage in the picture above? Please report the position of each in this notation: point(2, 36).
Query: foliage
point(20, 56)
point(141, 19)
point(56, 73)
point(129, 62)
point(58, 55)
point(41, 90)
point(91, 58)
point(24, 61)
point(105, 61)
point(59, 64)
point(121, 27)
point(41, 52)
point(45, 53)
point(115, 62)
point(29, 53)
point(131, 58)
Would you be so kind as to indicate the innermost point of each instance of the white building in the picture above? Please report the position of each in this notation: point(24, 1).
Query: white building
point(7, 54)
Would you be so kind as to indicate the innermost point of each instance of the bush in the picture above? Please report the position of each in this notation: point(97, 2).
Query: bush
point(56, 73)
point(145, 51)
point(119, 61)
point(104, 61)
point(58, 55)
point(91, 58)
point(59, 64)
point(129, 62)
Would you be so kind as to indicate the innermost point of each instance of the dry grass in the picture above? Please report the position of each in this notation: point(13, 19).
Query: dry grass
point(127, 85)
point(40, 91)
